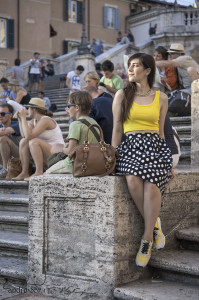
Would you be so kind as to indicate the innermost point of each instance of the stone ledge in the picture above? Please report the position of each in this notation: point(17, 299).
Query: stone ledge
point(84, 233)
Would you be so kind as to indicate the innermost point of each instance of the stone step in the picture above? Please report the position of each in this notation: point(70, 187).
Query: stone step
point(15, 221)
point(13, 244)
point(189, 238)
point(14, 202)
point(185, 141)
point(14, 187)
point(180, 120)
point(61, 120)
point(13, 268)
point(176, 265)
point(64, 126)
point(185, 158)
point(156, 290)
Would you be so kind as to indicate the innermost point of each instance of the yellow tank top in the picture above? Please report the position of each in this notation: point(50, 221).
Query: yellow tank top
point(144, 117)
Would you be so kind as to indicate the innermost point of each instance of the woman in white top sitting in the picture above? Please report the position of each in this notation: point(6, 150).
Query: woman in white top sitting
point(40, 136)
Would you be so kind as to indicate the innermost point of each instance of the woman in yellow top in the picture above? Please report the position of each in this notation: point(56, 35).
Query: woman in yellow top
point(144, 157)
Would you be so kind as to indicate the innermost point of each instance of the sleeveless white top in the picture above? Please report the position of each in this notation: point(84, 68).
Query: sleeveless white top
point(52, 136)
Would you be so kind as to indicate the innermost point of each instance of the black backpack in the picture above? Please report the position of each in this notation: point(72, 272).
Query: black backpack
point(179, 103)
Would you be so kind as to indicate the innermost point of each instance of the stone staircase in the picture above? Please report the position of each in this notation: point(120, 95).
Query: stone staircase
point(13, 236)
point(56, 96)
point(174, 272)
point(183, 127)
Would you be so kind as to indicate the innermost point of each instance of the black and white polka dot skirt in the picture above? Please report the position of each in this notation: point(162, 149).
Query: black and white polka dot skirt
point(145, 155)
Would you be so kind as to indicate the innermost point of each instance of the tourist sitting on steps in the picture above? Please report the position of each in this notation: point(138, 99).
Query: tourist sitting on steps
point(39, 136)
point(22, 96)
point(144, 157)
point(92, 79)
point(168, 75)
point(9, 137)
point(187, 67)
point(112, 81)
point(78, 108)
point(6, 90)
point(101, 111)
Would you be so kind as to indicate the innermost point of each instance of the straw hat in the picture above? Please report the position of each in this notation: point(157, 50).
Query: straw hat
point(176, 48)
point(36, 103)
point(13, 82)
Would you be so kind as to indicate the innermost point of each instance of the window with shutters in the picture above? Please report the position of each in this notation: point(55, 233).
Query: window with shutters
point(111, 17)
point(3, 41)
point(72, 11)
point(6, 33)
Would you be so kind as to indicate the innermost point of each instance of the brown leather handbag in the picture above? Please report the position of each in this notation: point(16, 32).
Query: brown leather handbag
point(93, 159)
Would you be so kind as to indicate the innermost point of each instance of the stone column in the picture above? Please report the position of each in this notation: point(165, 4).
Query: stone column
point(3, 67)
point(195, 123)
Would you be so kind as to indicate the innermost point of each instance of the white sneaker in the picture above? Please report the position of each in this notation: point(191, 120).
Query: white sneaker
point(3, 173)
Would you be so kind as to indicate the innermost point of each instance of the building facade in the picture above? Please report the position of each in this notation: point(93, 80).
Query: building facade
point(54, 28)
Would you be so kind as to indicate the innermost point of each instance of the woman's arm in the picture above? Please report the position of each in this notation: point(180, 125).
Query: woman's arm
point(72, 143)
point(42, 125)
point(163, 111)
point(20, 95)
point(117, 122)
point(17, 115)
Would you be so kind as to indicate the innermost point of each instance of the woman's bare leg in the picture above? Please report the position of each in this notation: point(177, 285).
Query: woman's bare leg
point(24, 153)
point(152, 205)
point(40, 151)
point(136, 189)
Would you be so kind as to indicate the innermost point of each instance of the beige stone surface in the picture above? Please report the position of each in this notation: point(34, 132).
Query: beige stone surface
point(195, 122)
point(3, 67)
point(84, 232)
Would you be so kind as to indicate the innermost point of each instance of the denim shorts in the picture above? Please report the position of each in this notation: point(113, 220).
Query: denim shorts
point(34, 78)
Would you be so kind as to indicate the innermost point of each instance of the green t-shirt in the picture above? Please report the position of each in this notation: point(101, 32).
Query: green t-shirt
point(77, 131)
point(115, 82)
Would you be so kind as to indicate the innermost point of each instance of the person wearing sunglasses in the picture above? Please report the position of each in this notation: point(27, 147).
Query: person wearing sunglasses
point(10, 137)
point(78, 107)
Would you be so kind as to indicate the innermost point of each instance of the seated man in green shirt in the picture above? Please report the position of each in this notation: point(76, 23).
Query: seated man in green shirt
point(78, 107)
point(112, 82)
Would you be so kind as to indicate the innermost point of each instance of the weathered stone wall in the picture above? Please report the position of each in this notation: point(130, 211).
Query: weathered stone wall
point(195, 123)
point(3, 67)
point(84, 232)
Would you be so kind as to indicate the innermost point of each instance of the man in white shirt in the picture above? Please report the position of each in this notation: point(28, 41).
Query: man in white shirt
point(187, 67)
point(73, 79)
point(34, 74)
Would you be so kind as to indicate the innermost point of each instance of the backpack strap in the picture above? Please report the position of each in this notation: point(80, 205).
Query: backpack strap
point(94, 131)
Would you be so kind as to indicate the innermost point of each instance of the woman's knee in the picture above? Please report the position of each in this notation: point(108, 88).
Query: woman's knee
point(133, 182)
point(151, 188)
point(23, 142)
point(4, 139)
point(34, 142)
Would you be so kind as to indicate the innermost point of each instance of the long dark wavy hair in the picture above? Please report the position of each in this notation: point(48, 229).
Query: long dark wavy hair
point(147, 61)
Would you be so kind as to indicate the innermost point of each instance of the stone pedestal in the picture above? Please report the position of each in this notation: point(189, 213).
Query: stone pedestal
point(88, 62)
point(3, 67)
point(195, 123)
point(84, 233)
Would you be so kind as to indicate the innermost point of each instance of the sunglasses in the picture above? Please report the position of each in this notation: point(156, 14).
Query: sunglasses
point(69, 105)
point(2, 114)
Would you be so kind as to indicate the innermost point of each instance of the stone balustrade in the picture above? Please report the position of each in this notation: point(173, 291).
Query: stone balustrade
point(84, 232)
point(177, 22)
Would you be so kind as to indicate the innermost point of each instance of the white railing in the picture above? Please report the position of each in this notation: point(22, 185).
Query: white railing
point(191, 17)
point(169, 21)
